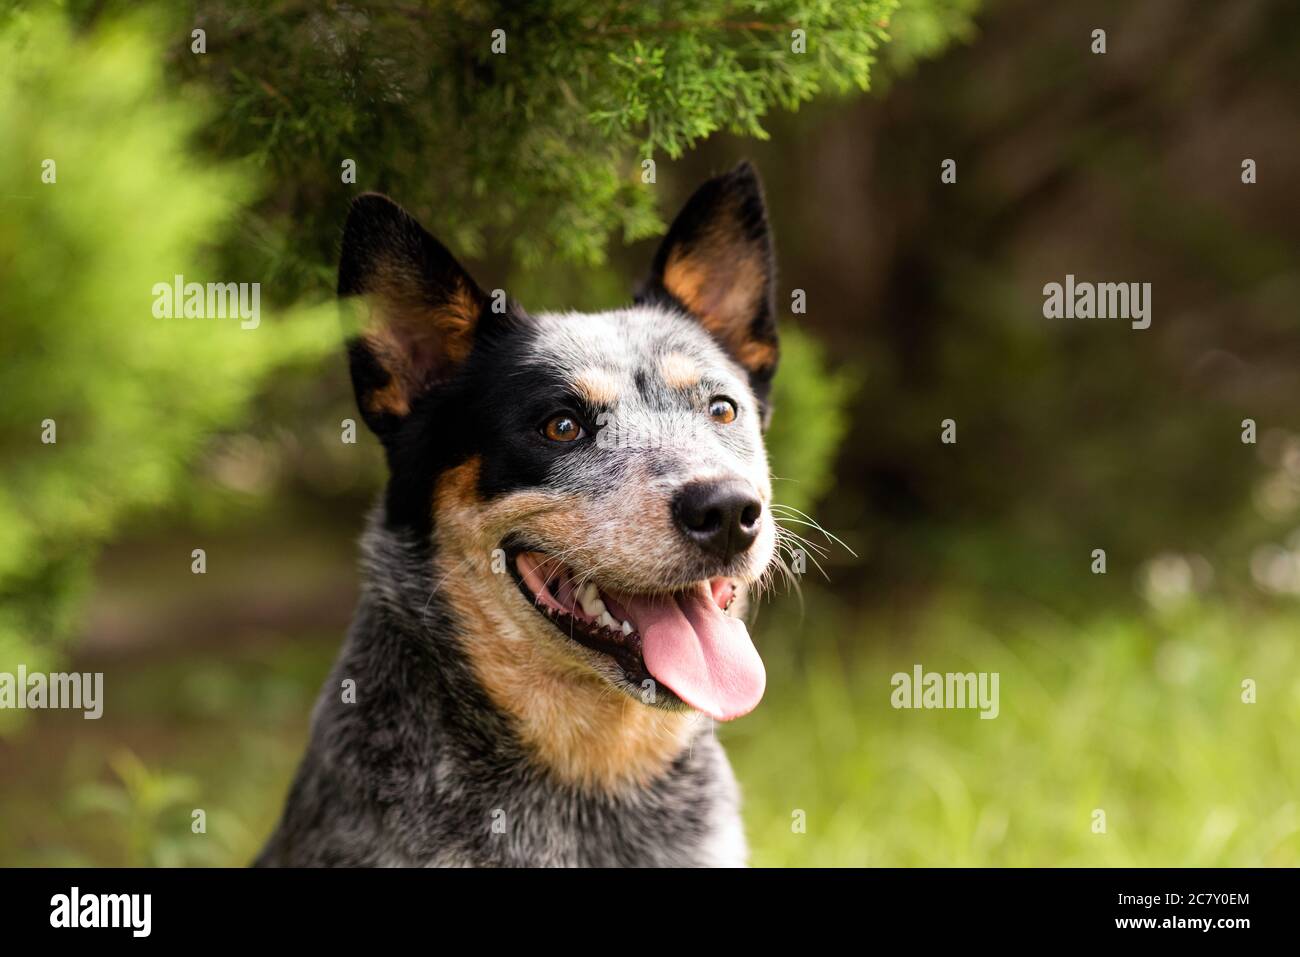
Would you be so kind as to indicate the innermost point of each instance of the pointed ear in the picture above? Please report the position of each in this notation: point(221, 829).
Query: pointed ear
point(420, 309)
point(716, 263)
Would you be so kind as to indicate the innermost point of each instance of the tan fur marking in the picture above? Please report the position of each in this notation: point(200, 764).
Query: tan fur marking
point(597, 386)
point(720, 278)
point(679, 371)
point(579, 728)
point(414, 342)
point(391, 398)
point(384, 345)
point(755, 355)
point(455, 321)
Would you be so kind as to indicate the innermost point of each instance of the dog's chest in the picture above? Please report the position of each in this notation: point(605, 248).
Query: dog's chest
point(688, 818)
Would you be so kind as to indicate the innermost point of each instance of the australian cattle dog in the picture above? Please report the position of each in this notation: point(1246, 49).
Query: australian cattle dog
point(556, 576)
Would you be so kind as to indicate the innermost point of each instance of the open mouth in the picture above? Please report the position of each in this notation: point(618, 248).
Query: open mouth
point(683, 640)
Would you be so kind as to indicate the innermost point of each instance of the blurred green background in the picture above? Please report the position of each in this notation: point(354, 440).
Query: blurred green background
point(1119, 691)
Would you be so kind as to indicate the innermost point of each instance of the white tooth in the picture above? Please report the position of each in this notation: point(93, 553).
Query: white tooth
point(627, 628)
point(589, 598)
point(606, 620)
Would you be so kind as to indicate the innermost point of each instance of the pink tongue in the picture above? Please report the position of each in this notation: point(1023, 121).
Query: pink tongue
point(703, 655)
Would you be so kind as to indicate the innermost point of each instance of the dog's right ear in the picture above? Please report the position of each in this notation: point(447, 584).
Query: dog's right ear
point(420, 309)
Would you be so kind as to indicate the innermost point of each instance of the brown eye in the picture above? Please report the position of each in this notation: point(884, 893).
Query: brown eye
point(722, 410)
point(562, 428)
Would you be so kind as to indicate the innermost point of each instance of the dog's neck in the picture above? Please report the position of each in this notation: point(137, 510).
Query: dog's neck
point(557, 714)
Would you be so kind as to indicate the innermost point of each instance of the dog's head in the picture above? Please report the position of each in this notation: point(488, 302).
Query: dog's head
point(596, 484)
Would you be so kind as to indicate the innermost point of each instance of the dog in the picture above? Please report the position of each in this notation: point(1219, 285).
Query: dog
point(577, 512)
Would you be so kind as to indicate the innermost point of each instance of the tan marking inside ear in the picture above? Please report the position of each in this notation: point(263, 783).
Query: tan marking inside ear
point(721, 279)
point(390, 399)
point(679, 371)
point(384, 344)
point(755, 355)
point(456, 320)
point(723, 291)
point(567, 716)
point(597, 386)
point(414, 342)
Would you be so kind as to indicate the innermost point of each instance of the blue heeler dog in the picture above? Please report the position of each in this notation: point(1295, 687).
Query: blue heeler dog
point(578, 505)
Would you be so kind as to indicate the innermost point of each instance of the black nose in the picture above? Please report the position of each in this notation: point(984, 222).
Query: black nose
point(722, 517)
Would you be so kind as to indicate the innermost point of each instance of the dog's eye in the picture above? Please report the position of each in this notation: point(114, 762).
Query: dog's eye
point(562, 428)
point(722, 410)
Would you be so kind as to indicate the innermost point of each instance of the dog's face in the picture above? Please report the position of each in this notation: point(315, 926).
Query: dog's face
point(596, 483)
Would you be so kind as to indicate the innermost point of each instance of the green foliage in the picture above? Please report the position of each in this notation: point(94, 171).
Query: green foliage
point(144, 805)
point(810, 417)
point(540, 145)
point(923, 30)
point(130, 396)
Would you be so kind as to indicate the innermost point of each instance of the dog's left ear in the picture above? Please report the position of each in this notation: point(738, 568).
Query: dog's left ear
point(716, 263)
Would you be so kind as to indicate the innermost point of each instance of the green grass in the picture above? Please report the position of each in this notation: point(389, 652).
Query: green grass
point(1141, 718)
